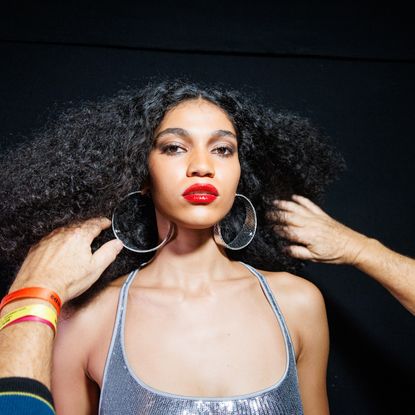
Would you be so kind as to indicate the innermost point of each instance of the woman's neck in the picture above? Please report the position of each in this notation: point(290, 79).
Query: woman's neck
point(191, 260)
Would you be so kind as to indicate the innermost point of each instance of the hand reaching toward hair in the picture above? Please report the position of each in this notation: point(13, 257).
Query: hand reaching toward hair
point(315, 235)
point(319, 238)
point(63, 261)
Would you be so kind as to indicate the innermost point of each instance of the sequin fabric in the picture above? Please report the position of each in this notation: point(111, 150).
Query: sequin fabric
point(124, 393)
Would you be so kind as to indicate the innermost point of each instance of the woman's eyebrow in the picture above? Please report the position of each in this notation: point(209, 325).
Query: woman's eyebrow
point(175, 131)
point(224, 133)
point(184, 133)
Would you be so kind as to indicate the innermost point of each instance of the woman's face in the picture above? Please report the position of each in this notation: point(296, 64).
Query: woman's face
point(194, 165)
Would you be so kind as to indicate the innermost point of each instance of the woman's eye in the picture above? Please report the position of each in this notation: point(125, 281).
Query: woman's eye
point(172, 149)
point(224, 151)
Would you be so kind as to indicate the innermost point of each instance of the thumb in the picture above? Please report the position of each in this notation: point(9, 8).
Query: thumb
point(106, 254)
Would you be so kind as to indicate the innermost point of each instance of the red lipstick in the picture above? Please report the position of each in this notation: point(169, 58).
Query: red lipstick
point(200, 193)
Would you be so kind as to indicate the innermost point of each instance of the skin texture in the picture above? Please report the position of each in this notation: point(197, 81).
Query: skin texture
point(211, 159)
point(65, 252)
point(229, 341)
point(319, 238)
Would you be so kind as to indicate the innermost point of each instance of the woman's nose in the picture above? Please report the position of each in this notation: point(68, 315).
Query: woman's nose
point(200, 165)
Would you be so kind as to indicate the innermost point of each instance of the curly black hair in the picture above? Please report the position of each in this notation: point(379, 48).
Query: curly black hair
point(88, 158)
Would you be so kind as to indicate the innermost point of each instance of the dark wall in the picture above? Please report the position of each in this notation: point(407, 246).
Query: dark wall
point(348, 68)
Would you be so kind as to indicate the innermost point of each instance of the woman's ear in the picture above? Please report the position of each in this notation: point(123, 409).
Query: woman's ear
point(145, 186)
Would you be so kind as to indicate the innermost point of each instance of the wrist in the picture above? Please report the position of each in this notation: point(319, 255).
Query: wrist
point(21, 303)
point(364, 251)
point(28, 282)
point(355, 248)
point(30, 295)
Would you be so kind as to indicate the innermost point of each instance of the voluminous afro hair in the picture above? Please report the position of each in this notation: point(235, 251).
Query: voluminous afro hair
point(88, 158)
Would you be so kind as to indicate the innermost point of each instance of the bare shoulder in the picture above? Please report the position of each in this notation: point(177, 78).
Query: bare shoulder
point(300, 292)
point(301, 302)
point(97, 305)
point(92, 319)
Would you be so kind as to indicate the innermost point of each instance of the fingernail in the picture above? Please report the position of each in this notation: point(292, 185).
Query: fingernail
point(119, 245)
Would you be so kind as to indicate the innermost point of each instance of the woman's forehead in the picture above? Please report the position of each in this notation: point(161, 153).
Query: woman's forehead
point(197, 112)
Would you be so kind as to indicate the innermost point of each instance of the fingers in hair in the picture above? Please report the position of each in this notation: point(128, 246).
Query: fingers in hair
point(307, 203)
point(299, 252)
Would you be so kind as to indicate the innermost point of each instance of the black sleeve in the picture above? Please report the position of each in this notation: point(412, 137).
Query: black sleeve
point(25, 386)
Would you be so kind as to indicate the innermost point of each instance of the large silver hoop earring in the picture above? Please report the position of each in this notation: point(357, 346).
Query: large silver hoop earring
point(128, 218)
point(245, 235)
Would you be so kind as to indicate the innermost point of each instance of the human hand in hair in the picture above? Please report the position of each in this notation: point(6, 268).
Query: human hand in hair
point(319, 238)
point(63, 262)
point(315, 235)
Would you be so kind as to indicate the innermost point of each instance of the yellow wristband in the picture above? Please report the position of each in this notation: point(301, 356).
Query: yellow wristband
point(38, 310)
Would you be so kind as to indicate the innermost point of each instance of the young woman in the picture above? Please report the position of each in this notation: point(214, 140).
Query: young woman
point(196, 329)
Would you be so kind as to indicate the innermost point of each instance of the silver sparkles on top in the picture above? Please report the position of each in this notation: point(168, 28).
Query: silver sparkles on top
point(123, 393)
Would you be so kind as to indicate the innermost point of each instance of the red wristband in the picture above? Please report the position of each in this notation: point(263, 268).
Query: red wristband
point(34, 292)
point(32, 318)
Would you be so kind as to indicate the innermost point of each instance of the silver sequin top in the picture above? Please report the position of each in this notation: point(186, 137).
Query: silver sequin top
point(123, 393)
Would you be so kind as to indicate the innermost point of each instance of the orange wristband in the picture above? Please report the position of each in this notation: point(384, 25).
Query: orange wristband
point(34, 292)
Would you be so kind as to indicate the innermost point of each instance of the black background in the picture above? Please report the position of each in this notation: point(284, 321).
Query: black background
point(350, 68)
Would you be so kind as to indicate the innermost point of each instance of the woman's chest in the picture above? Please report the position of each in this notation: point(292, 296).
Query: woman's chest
point(222, 348)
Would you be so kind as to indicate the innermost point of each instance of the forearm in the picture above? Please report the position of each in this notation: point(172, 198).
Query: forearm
point(25, 360)
point(394, 271)
point(26, 350)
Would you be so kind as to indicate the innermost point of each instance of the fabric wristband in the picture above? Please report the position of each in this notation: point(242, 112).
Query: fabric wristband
point(32, 318)
point(34, 292)
point(36, 310)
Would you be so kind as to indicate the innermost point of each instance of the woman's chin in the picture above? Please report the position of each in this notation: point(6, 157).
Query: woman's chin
point(196, 223)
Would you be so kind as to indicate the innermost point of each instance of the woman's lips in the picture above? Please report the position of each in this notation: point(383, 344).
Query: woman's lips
point(202, 193)
point(203, 198)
